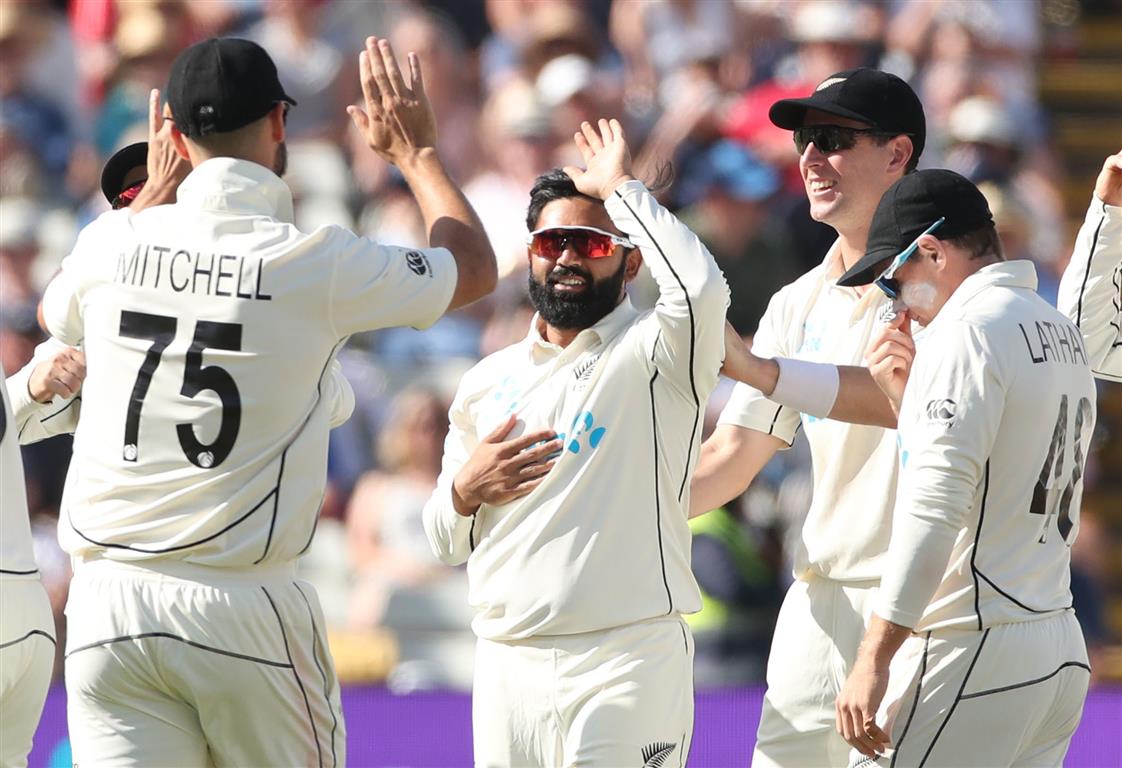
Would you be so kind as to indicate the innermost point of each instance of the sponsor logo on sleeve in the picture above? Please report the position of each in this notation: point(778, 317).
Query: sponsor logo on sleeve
point(941, 411)
point(418, 263)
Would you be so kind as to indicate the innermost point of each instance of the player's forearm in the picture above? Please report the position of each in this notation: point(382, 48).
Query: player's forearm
point(689, 281)
point(730, 460)
point(452, 223)
point(860, 400)
point(882, 640)
point(923, 538)
point(1089, 290)
point(155, 192)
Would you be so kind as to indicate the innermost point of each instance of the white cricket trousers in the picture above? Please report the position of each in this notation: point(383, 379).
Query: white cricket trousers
point(621, 697)
point(1010, 695)
point(27, 654)
point(174, 664)
point(819, 628)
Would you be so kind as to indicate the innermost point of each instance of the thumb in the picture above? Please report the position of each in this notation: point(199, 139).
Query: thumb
point(358, 117)
point(573, 172)
point(501, 431)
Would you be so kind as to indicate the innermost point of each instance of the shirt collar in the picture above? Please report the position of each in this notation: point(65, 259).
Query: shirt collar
point(607, 327)
point(1020, 273)
point(237, 186)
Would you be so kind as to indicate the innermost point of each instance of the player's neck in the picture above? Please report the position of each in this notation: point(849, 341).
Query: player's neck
point(851, 245)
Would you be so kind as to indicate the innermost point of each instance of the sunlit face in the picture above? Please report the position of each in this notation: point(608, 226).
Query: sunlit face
point(572, 291)
point(845, 186)
point(921, 286)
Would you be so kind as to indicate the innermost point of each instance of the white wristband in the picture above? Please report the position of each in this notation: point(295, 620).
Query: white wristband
point(809, 388)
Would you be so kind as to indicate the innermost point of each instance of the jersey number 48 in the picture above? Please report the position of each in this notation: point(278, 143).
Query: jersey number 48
point(1052, 496)
point(197, 377)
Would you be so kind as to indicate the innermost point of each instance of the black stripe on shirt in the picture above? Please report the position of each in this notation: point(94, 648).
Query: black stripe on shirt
point(977, 538)
point(296, 674)
point(1087, 273)
point(915, 702)
point(1012, 599)
point(48, 417)
point(658, 501)
point(32, 572)
point(177, 638)
point(957, 698)
point(693, 342)
point(30, 634)
point(1027, 683)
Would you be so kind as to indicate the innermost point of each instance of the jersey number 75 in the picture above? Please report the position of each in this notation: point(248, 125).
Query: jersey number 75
point(160, 329)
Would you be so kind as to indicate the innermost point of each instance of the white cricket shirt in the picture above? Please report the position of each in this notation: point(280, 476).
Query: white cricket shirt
point(848, 525)
point(208, 327)
point(603, 541)
point(1091, 288)
point(994, 429)
point(17, 559)
point(36, 421)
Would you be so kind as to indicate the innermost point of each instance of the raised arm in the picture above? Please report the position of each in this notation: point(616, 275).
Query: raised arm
point(1091, 288)
point(398, 123)
point(693, 296)
point(730, 460)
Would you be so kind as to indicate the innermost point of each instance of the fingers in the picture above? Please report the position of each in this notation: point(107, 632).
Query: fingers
point(537, 453)
point(583, 147)
point(592, 137)
point(537, 469)
point(572, 171)
point(416, 76)
point(393, 71)
point(520, 444)
point(155, 118)
point(617, 130)
point(892, 354)
point(358, 117)
point(370, 93)
point(378, 70)
point(498, 433)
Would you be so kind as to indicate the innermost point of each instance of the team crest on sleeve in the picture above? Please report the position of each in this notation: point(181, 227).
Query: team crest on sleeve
point(657, 753)
point(941, 411)
point(418, 263)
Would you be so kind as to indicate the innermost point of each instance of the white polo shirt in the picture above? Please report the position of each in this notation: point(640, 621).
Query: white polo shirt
point(849, 522)
point(994, 429)
point(208, 327)
point(603, 541)
point(17, 559)
point(1091, 288)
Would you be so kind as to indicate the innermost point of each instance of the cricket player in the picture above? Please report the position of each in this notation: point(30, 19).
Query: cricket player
point(565, 480)
point(858, 133)
point(995, 422)
point(1091, 288)
point(199, 460)
point(27, 628)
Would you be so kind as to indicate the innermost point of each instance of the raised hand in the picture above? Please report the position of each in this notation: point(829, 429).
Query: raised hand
point(1108, 187)
point(607, 159)
point(502, 470)
point(890, 355)
point(398, 121)
point(165, 165)
point(60, 375)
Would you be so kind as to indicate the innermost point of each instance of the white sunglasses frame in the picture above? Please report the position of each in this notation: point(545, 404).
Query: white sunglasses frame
point(616, 239)
point(898, 261)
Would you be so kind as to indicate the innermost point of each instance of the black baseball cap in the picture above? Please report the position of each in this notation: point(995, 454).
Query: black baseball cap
point(910, 207)
point(871, 96)
point(118, 166)
point(222, 84)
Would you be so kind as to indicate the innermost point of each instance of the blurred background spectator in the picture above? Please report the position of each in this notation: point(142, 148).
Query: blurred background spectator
point(1022, 96)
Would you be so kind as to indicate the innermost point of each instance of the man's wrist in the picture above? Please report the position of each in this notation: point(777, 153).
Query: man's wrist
point(608, 189)
point(463, 505)
point(418, 161)
point(44, 395)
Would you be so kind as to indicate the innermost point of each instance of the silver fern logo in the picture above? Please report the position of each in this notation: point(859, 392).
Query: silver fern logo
point(656, 754)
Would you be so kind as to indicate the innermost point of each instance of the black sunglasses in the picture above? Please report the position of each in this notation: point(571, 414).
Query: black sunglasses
point(833, 138)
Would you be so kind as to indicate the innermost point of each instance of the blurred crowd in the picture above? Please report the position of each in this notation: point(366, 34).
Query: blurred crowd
point(510, 80)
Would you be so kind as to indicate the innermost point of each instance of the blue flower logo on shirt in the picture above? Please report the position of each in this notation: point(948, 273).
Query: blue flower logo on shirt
point(507, 390)
point(584, 426)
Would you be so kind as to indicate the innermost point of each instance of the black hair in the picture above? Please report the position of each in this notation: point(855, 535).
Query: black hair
point(980, 243)
point(552, 185)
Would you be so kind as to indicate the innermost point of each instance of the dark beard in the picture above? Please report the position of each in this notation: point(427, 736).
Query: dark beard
point(280, 160)
point(576, 312)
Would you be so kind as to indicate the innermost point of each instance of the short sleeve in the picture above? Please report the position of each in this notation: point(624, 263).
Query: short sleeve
point(380, 286)
point(750, 408)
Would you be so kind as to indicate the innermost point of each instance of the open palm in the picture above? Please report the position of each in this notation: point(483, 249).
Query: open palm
point(607, 159)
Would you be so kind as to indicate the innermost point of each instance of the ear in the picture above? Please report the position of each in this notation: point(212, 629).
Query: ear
point(933, 249)
point(902, 150)
point(634, 260)
point(276, 122)
point(179, 143)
